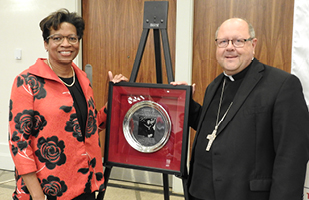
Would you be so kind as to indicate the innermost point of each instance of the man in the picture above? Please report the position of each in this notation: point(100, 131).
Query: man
point(252, 138)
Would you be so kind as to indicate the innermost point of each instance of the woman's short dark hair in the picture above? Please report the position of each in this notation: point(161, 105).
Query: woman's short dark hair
point(54, 20)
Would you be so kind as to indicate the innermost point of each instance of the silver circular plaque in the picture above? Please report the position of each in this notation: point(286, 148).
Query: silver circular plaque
point(147, 126)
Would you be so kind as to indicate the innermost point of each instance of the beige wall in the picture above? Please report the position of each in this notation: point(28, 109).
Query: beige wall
point(19, 22)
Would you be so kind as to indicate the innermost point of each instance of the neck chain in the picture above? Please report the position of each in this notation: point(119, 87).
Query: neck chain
point(211, 137)
point(68, 85)
point(219, 109)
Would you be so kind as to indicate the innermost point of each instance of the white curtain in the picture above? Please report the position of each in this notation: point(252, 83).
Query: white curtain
point(300, 57)
point(300, 48)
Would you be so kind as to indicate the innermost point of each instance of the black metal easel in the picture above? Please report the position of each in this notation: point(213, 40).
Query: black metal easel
point(155, 18)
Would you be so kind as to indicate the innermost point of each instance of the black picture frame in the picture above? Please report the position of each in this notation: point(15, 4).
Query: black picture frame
point(169, 158)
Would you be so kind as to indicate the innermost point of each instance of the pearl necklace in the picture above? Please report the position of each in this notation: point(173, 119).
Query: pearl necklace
point(68, 85)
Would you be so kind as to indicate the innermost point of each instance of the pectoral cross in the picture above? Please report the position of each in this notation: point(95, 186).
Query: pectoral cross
point(211, 137)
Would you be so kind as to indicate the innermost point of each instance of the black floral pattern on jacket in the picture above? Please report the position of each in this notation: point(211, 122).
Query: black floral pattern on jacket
point(91, 125)
point(99, 175)
point(29, 122)
point(53, 186)
point(51, 151)
point(11, 106)
point(36, 84)
point(73, 126)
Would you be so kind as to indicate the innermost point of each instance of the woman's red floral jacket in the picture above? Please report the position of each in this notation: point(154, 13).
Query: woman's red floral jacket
point(45, 135)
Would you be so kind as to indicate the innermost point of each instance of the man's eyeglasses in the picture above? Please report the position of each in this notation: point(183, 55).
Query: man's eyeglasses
point(237, 43)
point(58, 38)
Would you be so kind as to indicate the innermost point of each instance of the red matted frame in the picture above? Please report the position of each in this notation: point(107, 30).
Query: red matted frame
point(172, 157)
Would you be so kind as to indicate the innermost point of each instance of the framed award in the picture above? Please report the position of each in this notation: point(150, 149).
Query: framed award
point(147, 127)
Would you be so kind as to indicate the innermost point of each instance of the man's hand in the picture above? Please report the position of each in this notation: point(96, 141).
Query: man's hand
point(184, 83)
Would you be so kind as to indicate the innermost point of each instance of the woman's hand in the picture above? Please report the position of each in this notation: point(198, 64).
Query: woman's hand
point(33, 186)
point(117, 78)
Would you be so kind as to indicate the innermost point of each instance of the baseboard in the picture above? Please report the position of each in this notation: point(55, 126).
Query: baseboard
point(5, 157)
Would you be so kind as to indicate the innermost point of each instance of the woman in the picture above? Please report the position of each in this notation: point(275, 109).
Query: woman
point(54, 125)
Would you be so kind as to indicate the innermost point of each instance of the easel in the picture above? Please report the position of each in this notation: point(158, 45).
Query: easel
point(155, 18)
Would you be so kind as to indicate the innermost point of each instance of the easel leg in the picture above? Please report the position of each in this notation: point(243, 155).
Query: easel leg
point(107, 173)
point(167, 55)
point(156, 34)
point(166, 188)
point(185, 189)
point(139, 54)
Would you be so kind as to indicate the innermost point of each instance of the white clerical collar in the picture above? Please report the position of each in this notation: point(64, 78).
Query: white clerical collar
point(230, 77)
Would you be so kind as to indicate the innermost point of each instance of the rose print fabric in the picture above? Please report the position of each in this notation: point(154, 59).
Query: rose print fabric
point(45, 135)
